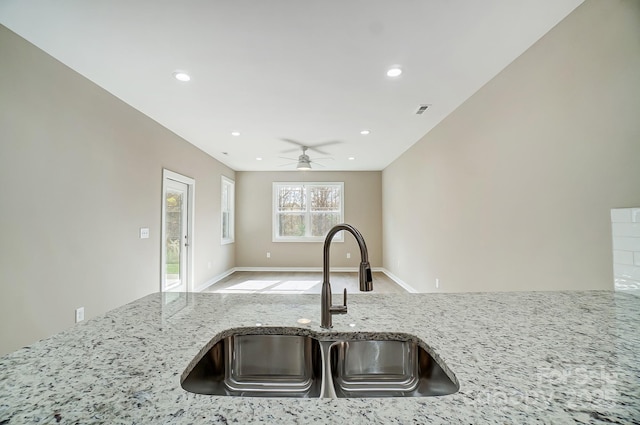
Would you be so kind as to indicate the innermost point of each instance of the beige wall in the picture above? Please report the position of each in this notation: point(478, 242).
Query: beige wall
point(81, 172)
point(363, 209)
point(512, 191)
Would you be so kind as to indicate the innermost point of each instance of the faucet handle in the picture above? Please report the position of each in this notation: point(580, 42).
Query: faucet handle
point(340, 309)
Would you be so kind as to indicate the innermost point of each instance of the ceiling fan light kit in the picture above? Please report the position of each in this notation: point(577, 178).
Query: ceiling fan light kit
point(303, 165)
point(304, 162)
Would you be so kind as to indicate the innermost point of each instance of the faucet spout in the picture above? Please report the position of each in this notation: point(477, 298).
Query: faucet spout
point(366, 281)
point(364, 274)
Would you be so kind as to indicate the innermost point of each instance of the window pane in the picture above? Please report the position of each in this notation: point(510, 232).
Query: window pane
point(225, 196)
point(291, 198)
point(306, 210)
point(321, 223)
point(291, 224)
point(173, 230)
point(324, 198)
point(227, 211)
point(225, 225)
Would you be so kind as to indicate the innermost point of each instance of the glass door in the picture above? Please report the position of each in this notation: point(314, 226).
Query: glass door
point(176, 237)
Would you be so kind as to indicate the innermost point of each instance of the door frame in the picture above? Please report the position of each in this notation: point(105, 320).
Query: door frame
point(191, 195)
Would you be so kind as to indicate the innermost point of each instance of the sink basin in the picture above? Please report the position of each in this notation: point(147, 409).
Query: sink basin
point(387, 368)
point(259, 366)
point(279, 363)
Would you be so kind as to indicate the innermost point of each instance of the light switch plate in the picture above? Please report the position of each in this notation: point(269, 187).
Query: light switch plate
point(144, 233)
point(79, 314)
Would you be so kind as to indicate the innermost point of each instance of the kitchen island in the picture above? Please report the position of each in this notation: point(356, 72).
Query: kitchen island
point(521, 357)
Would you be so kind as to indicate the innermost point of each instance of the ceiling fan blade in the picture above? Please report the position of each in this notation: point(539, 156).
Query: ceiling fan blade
point(319, 151)
point(291, 150)
point(295, 142)
point(328, 143)
point(290, 159)
point(317, 145)
point(286, 165)
point(314, 148)
point(317, 163)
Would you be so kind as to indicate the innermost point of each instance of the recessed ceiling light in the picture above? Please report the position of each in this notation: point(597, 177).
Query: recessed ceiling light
point(258, 159)
point(351, 158)
point(394, 72)
point(365, 132)
point(181, 76)
point(235, 133)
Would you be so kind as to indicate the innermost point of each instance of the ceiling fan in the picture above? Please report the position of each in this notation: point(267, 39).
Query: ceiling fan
point(304, 161)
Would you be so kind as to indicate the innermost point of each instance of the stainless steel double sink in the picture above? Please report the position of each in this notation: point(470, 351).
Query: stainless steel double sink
point(281, 362)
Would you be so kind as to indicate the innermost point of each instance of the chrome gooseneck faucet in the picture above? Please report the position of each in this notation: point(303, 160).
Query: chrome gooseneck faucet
point(366, 282)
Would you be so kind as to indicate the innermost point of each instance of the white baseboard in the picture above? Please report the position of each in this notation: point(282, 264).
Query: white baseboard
point(214, 279)
point(278, 269)
point(399, 281)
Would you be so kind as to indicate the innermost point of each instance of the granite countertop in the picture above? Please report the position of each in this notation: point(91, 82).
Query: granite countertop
point(543, 357)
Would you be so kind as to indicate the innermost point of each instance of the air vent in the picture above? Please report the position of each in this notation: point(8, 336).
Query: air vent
point(421, 109)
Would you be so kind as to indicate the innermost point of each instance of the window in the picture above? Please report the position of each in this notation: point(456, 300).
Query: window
point(227, 207)
point(305, 212)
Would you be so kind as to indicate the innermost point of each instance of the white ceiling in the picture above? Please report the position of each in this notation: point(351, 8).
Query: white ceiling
point(311, 71)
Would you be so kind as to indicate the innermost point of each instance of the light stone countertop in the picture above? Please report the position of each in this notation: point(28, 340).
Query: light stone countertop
point(534, 357)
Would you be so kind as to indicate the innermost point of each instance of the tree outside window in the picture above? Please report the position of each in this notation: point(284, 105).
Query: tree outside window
point(305, 212)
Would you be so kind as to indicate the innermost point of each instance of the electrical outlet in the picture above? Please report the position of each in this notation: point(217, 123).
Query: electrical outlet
point(268, 255)
point(348, 255)
point(437, 283)
point(144, 233)
point(79, 314)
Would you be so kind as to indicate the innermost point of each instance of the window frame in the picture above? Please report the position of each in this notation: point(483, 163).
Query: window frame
point(307, 213)
point(229, 208)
